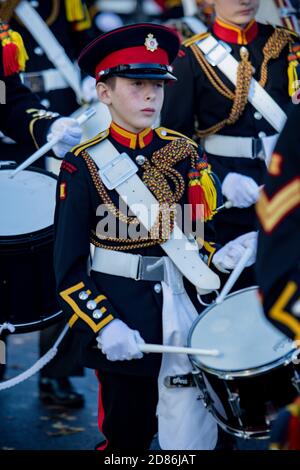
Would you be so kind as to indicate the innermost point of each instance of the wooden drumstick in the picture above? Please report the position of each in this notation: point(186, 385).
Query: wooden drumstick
point(160, 348)
point(226, 205)
point(48, 146)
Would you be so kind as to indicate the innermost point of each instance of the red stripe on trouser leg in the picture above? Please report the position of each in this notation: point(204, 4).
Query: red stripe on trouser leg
point(101, 414)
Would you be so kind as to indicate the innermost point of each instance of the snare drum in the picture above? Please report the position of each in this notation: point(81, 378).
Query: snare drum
point(27, 286)
point(254, 376)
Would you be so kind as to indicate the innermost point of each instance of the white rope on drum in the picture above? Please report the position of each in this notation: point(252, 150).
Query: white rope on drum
point(7, 326)
point(40, 363)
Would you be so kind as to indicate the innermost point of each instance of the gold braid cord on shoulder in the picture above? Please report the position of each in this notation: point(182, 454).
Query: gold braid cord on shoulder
point(272, 49)
point(239, 98)
point(155, 175)
point(162, 228)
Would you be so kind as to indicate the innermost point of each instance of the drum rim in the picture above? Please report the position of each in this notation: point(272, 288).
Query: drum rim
point(37, 236)
point(238, 432)
point(32, 326)
point(35, 169)
point(29, 238)
point(233, 374)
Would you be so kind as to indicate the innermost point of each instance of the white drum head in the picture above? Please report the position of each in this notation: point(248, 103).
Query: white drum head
point(27, 202)
point(239, 330)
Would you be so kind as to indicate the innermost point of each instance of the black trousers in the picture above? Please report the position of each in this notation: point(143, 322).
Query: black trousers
point(127, 411)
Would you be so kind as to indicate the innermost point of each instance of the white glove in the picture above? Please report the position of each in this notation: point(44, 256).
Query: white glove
point(229, 255)
point(119, 342)
point(241, 190)
point(88, 89)
point(69, 132)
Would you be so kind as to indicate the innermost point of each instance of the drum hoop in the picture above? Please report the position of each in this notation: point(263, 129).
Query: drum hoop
point(34, 169)
point(232, 374)
point(43, 322)
point(237, 432)
point(39, 237)
point(254, 372)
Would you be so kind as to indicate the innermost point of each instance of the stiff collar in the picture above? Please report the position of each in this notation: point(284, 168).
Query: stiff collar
point(129, 139)
point(233, 34)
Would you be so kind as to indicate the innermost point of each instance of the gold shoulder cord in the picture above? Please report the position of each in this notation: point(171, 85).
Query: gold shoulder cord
point(272, 49)
point(155, 174)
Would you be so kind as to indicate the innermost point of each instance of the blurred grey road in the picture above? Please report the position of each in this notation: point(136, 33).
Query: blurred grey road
point(26, 424)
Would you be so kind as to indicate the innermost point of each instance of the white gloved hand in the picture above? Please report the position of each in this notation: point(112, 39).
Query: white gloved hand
point(229, 255)
point(119, 342)
point(241, 190)
point(88, 89)
point(69, 133)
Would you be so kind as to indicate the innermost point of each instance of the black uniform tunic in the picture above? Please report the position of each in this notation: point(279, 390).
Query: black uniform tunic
point(278, 259)
point(134, 302)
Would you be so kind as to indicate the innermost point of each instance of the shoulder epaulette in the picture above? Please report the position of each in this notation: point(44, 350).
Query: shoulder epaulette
point(292, 33)
point(89, 143)
point(189, 42)
point(168, 134)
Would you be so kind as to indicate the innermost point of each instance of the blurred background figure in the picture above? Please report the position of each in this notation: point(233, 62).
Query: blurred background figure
point(285, 432)
point(54, 33)
point(71, 27)
point(24, 119)
point(180, 8)
point(278, 261)
point(280, 12)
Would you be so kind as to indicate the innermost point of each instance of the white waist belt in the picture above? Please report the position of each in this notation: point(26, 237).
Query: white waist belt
point(137, 267)
point(239, 147)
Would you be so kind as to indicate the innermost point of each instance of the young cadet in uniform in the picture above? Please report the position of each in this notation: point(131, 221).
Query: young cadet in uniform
point(110, 305)
point(70, 24)
point(278, 258)
point(24, 119)
point(237, 134)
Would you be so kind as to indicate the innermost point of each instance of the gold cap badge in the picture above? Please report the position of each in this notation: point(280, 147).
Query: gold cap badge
point(151, 43)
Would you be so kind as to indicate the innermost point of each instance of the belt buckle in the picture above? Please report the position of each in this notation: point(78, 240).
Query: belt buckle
point(117, 171)
point(216, 61)
point(147, 271)
point(34, 81)
point(257, 149)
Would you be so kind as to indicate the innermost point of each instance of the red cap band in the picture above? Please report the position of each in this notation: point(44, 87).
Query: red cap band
point(133, 55)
